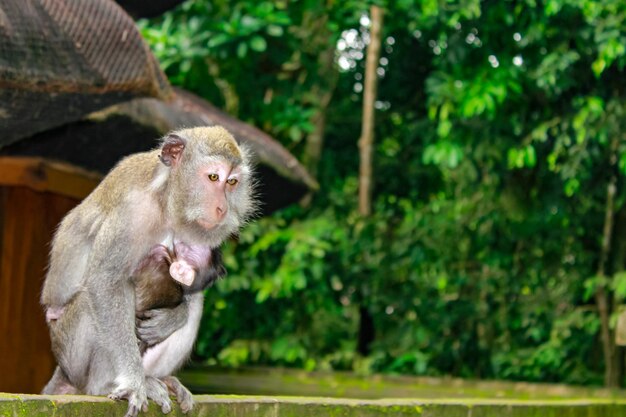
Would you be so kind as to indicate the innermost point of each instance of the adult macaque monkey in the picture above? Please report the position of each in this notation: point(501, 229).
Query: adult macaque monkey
point(185, 198)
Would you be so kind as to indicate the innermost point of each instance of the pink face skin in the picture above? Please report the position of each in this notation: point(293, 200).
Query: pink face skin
point(218, 179)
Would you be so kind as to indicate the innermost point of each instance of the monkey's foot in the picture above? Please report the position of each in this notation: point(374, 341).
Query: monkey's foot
point(157, 391)
point(137, 399)
point(182, 394)
point(182, 272)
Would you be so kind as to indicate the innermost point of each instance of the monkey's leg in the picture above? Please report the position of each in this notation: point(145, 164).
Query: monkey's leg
point(85, 359)
point(165, 358)
point(168, 356)
point(59, 384)
point(82, 356)
point(182, 394)
point(73, 338)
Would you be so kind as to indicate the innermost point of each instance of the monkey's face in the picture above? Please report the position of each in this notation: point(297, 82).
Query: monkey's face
point(218, 180)
point(216, 199)
point(210, 193)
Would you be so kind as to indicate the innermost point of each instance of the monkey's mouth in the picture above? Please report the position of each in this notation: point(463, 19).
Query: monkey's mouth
point(206, 224)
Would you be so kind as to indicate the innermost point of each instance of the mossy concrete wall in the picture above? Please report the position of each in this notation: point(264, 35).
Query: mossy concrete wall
point(12, 405)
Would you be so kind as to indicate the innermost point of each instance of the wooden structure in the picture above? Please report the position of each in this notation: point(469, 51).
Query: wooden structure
point(35, 194)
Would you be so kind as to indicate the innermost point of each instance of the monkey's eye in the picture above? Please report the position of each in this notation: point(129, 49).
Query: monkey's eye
point(214, 177)
point(232, 181)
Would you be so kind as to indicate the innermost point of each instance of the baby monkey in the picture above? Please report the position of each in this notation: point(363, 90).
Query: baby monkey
point(165, 280)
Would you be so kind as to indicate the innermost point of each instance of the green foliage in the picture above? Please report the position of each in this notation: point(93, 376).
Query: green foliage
point(493, 152)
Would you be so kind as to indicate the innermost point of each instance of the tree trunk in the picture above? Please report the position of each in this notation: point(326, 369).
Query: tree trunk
point(366, 143)
point(612, 374)
point(369, 97)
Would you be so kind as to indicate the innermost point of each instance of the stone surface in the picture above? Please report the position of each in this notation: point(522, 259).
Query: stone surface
point(16, 405)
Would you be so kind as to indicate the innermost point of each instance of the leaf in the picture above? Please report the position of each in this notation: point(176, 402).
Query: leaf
point(444, 128)
point(242, 50)
point(217, 40)
point(513, 159)
point(622, 163)
point(275, 30)
point(591, 285)
point(521, 158)
point(572, 186)
point(287, 349)
point(258, 44)
point(250, 23)
point(598, 67)
point(530, 157)
point(619, 284)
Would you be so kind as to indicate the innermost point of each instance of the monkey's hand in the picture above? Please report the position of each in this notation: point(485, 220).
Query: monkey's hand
point(156, 325)
point(182, 272)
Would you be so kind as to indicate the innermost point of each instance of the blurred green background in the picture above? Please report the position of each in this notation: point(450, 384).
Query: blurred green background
point(497, 243)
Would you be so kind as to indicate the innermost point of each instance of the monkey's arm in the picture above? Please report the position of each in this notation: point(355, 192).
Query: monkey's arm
point(71, 247)
point(112, 304)
point(156, 325)
point(112, 299)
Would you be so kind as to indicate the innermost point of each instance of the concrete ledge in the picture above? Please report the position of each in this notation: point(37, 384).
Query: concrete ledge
point(17, 405)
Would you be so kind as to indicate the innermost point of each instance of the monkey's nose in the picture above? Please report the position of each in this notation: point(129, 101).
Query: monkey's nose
point(221, 212)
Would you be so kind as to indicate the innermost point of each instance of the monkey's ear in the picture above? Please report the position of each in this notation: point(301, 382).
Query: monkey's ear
point(172, 150)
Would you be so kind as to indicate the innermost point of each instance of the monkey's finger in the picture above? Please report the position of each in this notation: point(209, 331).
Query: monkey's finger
point(145, 314)
point(156, 321)
point(152, 334)
point(134, 408)
point(166, 407)
point(157, 391)
point(118, 395)
point(132, 411)
point(147, 326)
point(186, 404)
point(182, 394)
point(134, 404)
